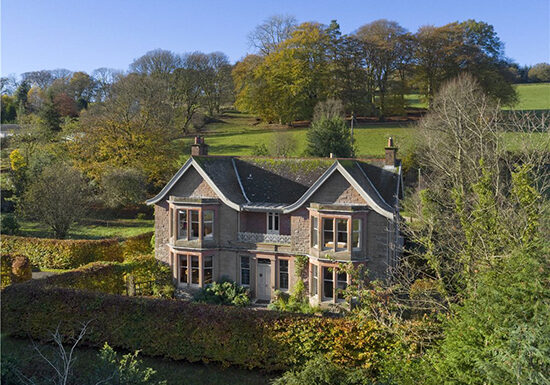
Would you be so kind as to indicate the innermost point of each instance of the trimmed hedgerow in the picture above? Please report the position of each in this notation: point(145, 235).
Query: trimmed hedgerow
point(112, 277)
point(137, 245)
point(62, 253)
point(190, 331)
point(15, 268)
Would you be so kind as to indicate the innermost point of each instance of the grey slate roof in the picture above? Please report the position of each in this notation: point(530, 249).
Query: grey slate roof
point(276, 182)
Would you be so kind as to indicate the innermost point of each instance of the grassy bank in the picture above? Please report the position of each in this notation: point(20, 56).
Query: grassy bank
point(91, 228)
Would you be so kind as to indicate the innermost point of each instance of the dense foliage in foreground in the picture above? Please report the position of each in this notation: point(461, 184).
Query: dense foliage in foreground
point(193, 332)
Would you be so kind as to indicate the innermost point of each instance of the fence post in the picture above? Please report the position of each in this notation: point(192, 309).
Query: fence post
point(130, 285)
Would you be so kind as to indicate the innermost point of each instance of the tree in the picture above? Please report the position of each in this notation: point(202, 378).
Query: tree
point(462, 210)
point(82, 89)
point(58, 197)
point(383, 41)
point(50, 117)
point(187, 87)
point(21, 97)
point(218, 84)
point(133, 128)
point(104, 78)
point(157, 62)
point(273, 31)
point(292, 79)
point(9, 109)
point(474, 47)
point(330, 136)
point(123, 187)
point(539, 73)
point(42, 79)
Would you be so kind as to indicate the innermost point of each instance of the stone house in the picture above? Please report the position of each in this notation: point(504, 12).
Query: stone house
point(247, 218)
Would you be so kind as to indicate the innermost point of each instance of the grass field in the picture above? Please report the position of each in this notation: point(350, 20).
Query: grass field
point(21, 353)
point(237, 134)
point(533, 96)
point(92, 228)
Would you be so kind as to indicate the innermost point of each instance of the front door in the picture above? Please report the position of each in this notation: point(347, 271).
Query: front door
point(264, 279)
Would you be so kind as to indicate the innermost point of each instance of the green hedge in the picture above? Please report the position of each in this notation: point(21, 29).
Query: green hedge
point(190, 331)
point(14, 269)
point(111, 277)
point(68, 254)
point(62, 253)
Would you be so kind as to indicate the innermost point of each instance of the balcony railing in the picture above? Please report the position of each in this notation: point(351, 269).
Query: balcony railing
point(264, 238)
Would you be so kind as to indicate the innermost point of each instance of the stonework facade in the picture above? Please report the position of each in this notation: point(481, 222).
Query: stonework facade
point(204, 237)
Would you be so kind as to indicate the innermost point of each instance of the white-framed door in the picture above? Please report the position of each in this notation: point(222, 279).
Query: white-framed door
point(263, 281)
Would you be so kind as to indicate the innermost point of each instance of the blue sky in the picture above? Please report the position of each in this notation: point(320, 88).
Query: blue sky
point(88, 34)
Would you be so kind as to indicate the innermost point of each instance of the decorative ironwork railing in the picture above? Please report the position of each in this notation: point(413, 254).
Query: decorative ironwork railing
point(263, 238)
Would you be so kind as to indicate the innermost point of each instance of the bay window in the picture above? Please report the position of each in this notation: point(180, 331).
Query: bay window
point(328, 283)
point(314, 279)
point(191, 270)
point(208, 224)
point(342, 234)
point(182, 224)
point(194, 233)
point(183, 269)
point(189, 224)
point(195, 269)
point(314, 232)
point(356, 234)
point(336, 234)
point(341, 283)
point(328, 233)
point(207, 269)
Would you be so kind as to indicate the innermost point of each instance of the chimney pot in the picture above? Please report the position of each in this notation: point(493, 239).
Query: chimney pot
point(391, 153)
point(199, 148)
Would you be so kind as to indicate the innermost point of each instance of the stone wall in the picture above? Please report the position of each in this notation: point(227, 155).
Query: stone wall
point(192, 185)
point(377, 244)
point(337, 189)
point(300, 231)
point(162, 232)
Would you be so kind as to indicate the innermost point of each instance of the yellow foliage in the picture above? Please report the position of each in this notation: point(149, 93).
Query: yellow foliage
point(17, 160)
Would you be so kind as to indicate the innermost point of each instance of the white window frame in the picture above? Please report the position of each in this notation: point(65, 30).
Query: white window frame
point(241, 270)
point(204, 222)
point(359, 234)
point(315, 232)
point(337, 232)
point(204, 268)
point(315, 279)
point(273, 226)
point(179, 234)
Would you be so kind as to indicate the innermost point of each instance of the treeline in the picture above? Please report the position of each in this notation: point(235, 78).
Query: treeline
point(371, 70)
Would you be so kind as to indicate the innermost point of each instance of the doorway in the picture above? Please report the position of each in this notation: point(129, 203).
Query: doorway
point(264, 280)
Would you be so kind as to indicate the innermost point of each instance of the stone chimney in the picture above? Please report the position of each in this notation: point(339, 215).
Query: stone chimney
point(391, 153)
point(199, 148)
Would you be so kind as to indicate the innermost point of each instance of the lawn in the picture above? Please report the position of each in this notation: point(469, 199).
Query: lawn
point(533, 96)
point(21, 352)
point(237, 134)
point(92, 228)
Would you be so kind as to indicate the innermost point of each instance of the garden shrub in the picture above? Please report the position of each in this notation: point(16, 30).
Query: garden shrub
point(293, 303)
point(320, 371)
point(15, 268)
point(9, 224)
point(62, 254)
point(191, 331)
point(224, 293)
